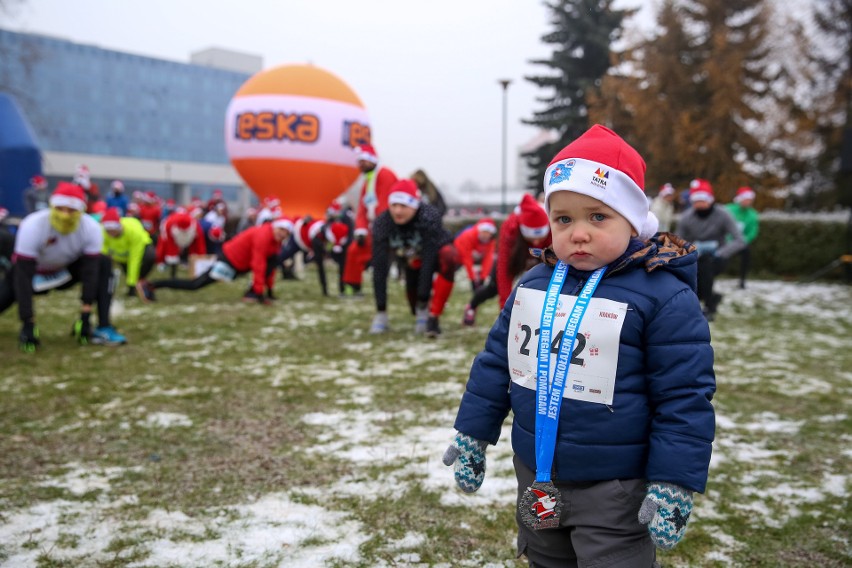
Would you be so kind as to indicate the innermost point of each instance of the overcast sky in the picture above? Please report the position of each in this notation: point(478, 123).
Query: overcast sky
point(427, 72)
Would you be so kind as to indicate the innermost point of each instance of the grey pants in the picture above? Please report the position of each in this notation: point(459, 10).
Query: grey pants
point(598, 527)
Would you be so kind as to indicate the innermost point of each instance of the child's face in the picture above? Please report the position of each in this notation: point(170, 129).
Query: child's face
point(586, 233)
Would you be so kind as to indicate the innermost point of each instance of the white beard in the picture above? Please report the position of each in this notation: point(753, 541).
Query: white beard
point(183, 238)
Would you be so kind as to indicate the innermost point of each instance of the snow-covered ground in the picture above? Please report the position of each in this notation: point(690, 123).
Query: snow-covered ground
point(279, 530)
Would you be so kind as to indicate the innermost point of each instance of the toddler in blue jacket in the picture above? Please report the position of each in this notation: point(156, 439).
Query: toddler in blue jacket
point(603, 356)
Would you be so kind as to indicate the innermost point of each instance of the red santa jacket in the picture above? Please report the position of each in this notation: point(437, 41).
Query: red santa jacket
point(472, 249)
point(179, 232)
point(513, 257)
point(149, 214)
point(251, 250)
point(373, 199)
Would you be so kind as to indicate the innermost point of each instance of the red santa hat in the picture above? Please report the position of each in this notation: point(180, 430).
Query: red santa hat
point(111, 219)
point(701, 190)
point(38, 181)
point(117, 185)
point(181, 219)
point(533, 220)
point(367, 153)
point(743, 194)
point(602, 165)
point(335, 208)
point(283, 223)
point(405, 192)
point(336, 234)
point(68, 195)
point(486, 224)
point(666, 189)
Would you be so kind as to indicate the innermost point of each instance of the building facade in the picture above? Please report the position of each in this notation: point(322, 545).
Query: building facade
point(157, 125)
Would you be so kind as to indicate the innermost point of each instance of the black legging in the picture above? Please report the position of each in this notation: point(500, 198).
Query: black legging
point(486, 291)
point(181, 284)
point(105, 286)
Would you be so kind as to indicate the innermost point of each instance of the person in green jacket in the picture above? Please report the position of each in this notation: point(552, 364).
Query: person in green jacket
point(748, 220)
point(130, 246)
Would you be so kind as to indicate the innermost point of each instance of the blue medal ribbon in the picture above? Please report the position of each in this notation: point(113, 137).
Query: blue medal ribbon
point(549, 395)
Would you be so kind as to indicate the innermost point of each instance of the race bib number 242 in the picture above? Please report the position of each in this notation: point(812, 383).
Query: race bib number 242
point(593, 358)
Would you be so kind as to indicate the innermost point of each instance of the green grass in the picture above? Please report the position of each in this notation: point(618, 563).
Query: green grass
point(220, 419)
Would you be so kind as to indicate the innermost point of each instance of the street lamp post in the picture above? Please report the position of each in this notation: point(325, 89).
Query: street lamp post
point(505, 84)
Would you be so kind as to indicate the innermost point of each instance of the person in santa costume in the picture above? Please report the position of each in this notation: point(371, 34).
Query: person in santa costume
point(316, 240)
point(180, 235)
point(56, 248)
point(129, 246)
point(150, 213)
point(524, 229)
point(413, 233)
point(372, 202)
point(254, 250)
point(603, 357)
point(474, 245)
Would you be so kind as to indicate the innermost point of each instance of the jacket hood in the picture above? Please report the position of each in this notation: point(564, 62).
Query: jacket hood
point(664, 251)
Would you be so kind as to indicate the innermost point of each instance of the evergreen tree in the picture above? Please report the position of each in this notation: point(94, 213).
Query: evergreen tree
point(582, 33)
point(648, 99)
point(687, 97)
point(834, 20)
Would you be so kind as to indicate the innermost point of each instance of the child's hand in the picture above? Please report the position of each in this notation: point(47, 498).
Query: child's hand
point(468, 454)
point(666, 511)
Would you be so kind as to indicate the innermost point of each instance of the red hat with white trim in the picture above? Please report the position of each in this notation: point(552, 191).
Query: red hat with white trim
point(367, 153)
point(666, 189)
point(603, 166)
point(336, 233)
point(534, 224)
point(701, 190)
point(283, 222)
point(743, 194)
point(405, 192)
point(486, 224)
point(111, 219)
point(68, 195)
point(38, 181)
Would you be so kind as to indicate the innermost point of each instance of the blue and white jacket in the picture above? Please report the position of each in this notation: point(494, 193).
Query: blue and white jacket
point(661, 423)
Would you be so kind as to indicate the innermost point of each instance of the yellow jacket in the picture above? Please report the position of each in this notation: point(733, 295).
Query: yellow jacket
point(129, 247)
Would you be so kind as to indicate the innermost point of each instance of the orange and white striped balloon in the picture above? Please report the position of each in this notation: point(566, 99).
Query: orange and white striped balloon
point(289, 132)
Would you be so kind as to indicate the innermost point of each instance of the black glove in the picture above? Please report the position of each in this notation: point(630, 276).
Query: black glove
point(28, 339)
point(82, 330)
point(361, 240)
point(131, 291)
point(477, 284)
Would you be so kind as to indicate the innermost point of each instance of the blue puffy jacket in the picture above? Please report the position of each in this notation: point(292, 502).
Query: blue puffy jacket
point(661, 423)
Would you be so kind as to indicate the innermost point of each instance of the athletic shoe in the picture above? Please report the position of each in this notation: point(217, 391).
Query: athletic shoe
point(432, 328)
point(469, 316)
point(107, 335)
point(380, 323)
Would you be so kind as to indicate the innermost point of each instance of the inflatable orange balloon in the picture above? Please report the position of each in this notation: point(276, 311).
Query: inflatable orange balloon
point(290, 131)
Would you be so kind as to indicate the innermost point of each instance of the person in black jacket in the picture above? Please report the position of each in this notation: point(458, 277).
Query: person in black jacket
point(412, 232)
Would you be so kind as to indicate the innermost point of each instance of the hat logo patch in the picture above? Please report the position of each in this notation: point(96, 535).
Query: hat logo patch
point(600, 177)
point(562, 172)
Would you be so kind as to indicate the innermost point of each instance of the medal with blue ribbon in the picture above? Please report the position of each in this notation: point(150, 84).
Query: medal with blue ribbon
point(541, 505)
